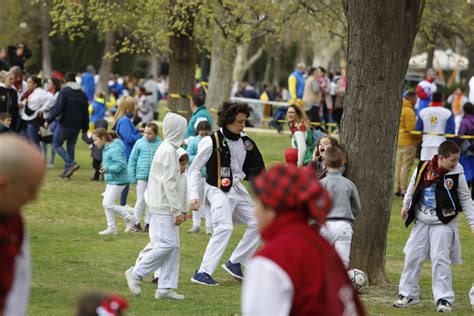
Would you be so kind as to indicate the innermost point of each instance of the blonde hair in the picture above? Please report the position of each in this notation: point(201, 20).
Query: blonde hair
point(126, 105)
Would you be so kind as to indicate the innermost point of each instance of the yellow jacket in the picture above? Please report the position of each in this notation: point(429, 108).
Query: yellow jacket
point(407, 123)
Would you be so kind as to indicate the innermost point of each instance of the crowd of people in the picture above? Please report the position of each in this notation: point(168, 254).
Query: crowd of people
point(306, 201)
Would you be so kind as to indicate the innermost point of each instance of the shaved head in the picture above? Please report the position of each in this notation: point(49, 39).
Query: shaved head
point(22, 169)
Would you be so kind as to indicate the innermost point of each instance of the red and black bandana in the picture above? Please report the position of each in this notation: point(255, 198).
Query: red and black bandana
point(433, 172)
point(292, 189)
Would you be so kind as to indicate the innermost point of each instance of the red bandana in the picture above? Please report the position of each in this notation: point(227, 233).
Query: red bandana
point(433, 172)
point(291, 189)
point(295, 128)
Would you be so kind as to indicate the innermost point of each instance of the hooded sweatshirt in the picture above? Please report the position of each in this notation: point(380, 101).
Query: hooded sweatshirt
point(164, 192)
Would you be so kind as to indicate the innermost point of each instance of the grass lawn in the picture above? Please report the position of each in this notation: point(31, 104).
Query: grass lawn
point(70, 258)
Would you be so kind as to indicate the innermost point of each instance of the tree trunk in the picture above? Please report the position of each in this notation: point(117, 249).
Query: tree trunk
point(429, 59)
point(45, 42)
point(277, 65)
point(107, 63)
point(378, 53)
point(243, 62)
point(268, 69)
point(154, 65)
point(182, 71)
point(220, 78)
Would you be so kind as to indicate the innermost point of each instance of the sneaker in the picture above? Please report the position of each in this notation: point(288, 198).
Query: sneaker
point(209, 231)
point(71, 170)
point(137, 228)
point(50, 165)
point(129, 224)
point(204, 279)
point(168, 294)
point(444, 306)
point(234, 269)
point(154, 280)
point(194, 230)
point(404, 302)
point(109, 231)
point(147, 228)
point(134, 282)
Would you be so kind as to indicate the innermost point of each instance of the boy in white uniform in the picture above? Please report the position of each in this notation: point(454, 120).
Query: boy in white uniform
point(229, 156)
point(437, 192)
point(164, 198)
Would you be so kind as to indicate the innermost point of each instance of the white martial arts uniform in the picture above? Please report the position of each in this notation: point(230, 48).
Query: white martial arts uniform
point(140, 205)
point(225, 207)
point(203, 207)
point(431, 239)
point(166, 198)
point(111, 194)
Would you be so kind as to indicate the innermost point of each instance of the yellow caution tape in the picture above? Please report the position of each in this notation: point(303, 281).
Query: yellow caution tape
point(179, 96)
point(436, 134)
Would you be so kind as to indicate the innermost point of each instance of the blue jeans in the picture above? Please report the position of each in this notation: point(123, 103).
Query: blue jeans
point(62, 134)
point(31, 132)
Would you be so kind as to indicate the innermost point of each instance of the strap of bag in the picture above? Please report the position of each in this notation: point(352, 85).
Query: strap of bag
point(218, 152)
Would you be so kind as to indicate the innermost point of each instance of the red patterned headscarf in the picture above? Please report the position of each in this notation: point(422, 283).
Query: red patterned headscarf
point(292, 189)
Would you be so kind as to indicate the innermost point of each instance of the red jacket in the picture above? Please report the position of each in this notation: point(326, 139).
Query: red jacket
point(320, 282)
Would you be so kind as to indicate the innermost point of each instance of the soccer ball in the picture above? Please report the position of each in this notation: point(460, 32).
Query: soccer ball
point(358, 278)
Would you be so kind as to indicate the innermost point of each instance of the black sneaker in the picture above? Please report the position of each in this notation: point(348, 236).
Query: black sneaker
point(137, 228)
point(444, 306)
point(147, 228)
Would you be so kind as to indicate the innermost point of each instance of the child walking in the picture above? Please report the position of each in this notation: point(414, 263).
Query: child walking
point(203, 129)
point(115, 175)
point(165, 202)
point(345, 207)
point(139, 165)
point(96, 153)
point(436, 194)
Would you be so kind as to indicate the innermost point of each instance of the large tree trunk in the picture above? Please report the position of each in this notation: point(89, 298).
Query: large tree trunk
point(220, 78)
point(378, 53)
point(45, 43)
point(182, 71)
point(107, 63)
point(268, 69)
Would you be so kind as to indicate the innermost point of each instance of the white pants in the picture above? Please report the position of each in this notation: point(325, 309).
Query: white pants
point(428, 152)
point(140, 204)
point(203, 209)
point(164, 253)
point(339, 234)
point(223, 210)
point(429, 241)
point(111, 194)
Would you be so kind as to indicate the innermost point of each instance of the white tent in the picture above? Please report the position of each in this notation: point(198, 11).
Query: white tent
point(443, 59)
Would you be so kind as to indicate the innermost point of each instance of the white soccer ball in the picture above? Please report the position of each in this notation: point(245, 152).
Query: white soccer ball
point(358, 278)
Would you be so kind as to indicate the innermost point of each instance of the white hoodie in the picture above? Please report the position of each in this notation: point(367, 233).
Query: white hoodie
point(36, 101)
point(164, 194)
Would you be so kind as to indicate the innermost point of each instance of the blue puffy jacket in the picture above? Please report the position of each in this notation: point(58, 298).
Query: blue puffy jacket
point(128, 133)
point(114, 163)
point(139, 163)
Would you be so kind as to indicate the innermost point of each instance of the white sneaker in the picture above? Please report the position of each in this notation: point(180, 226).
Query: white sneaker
point(50, 165)
point(444, 306)
point(109, 231)
point(209, 231)
point(134, 282)
point(404, 302)
point(129, 222)
point(194, 230)
point(168, 294)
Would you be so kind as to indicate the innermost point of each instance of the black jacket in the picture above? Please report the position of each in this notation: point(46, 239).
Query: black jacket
point(9, 104)
point(72, 109)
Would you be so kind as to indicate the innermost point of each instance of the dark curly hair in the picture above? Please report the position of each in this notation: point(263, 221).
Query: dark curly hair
point(229, 110)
